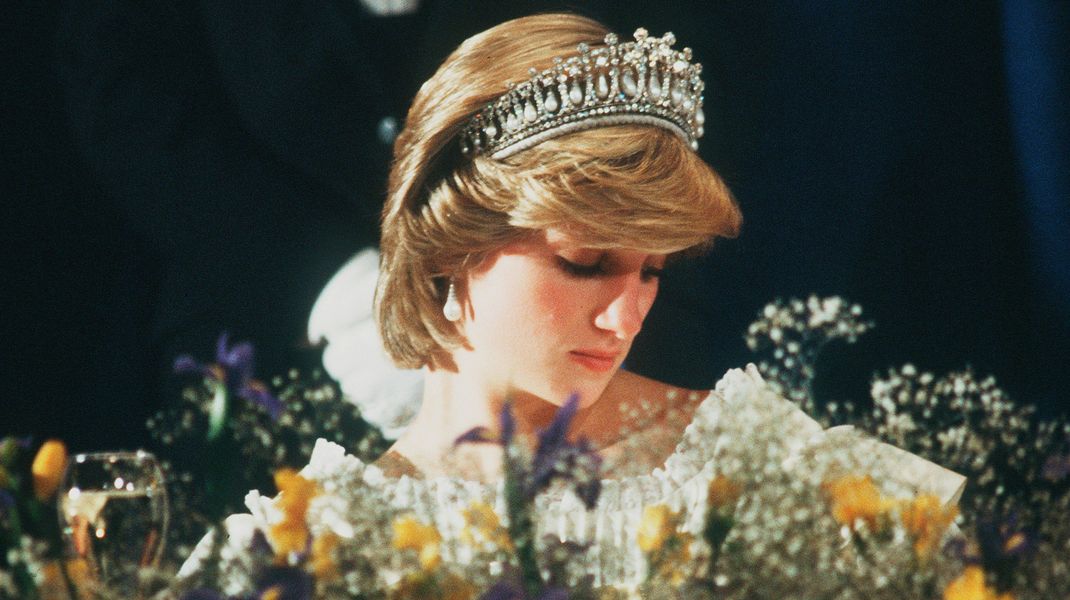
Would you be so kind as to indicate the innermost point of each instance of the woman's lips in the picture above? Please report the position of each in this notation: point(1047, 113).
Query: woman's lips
point(595, 360)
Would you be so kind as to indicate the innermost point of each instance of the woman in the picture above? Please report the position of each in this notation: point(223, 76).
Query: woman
point(545, 250)
point(529, 216)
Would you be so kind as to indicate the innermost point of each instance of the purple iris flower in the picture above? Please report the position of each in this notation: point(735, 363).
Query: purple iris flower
point(290, 583)
point(553, 443)
point(1001, 545)
point(510, 590)
point(555, 456)
point(234, 369)
point(1002, 542)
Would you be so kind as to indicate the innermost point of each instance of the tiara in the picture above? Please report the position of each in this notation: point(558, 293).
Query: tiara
point(645, 82)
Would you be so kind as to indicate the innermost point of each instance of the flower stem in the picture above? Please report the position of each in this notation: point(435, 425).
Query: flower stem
point(521, 527)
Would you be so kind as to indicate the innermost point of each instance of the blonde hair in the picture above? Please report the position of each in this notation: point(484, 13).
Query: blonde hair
point(627, 186)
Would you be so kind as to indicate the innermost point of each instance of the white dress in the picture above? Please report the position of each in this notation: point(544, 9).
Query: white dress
point(740, 429)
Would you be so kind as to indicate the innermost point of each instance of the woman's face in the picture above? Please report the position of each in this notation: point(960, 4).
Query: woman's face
point(549, 317)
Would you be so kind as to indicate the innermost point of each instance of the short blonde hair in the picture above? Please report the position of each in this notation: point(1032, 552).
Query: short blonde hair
point(626, 186)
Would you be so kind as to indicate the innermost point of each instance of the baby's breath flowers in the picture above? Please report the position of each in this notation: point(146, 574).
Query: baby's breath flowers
point(1010, 457)
point(795, 332)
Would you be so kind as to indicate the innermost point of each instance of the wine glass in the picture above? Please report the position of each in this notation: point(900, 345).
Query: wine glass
point(113, 512)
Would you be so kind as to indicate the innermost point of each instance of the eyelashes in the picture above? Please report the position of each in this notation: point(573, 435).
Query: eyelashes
point(580, 269)
point(598, 269)
point(652, 273)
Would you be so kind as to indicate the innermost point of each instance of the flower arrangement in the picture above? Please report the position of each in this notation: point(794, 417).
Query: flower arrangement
point(824, 520)
point(774, 524)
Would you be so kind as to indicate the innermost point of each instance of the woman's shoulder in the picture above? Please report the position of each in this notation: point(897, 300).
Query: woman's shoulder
point(633, 401)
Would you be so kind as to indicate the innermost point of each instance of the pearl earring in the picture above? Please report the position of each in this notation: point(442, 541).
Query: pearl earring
point(452, 308)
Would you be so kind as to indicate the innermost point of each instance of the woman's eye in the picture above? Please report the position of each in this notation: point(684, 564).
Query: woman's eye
point(652, 273)
point(599, 268)
point(580, 269)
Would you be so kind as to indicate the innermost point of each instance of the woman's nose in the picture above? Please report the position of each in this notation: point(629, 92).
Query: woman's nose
point(625, 310)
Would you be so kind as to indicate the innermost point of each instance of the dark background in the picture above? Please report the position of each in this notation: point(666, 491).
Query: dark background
point(171, 170)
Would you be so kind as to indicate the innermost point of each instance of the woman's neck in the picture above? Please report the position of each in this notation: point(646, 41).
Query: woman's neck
point(452, 405)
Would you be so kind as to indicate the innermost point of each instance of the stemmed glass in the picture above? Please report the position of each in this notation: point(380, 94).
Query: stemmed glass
point(113, 512)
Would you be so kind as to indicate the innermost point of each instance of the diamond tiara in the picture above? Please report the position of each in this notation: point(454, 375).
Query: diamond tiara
point(645, 82)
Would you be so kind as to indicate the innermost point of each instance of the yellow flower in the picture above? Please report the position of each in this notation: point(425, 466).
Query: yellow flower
point(48, 468)
point(658, 523)
point(481, 519)
point(272, 593)
point(926, 520)
point(295, 493)
point(723, 492)
point(322, 561)
point(971, 586)
point(410, 534)
point(668, 549)
point(856, 499)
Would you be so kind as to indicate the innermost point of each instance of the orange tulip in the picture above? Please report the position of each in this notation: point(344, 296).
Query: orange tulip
point(48, 468)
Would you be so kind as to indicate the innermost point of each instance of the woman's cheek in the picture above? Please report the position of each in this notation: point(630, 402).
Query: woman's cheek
point(556, 299)
point(649, 299)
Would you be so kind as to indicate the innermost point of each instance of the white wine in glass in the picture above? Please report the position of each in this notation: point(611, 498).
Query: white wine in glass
point(113, 510)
